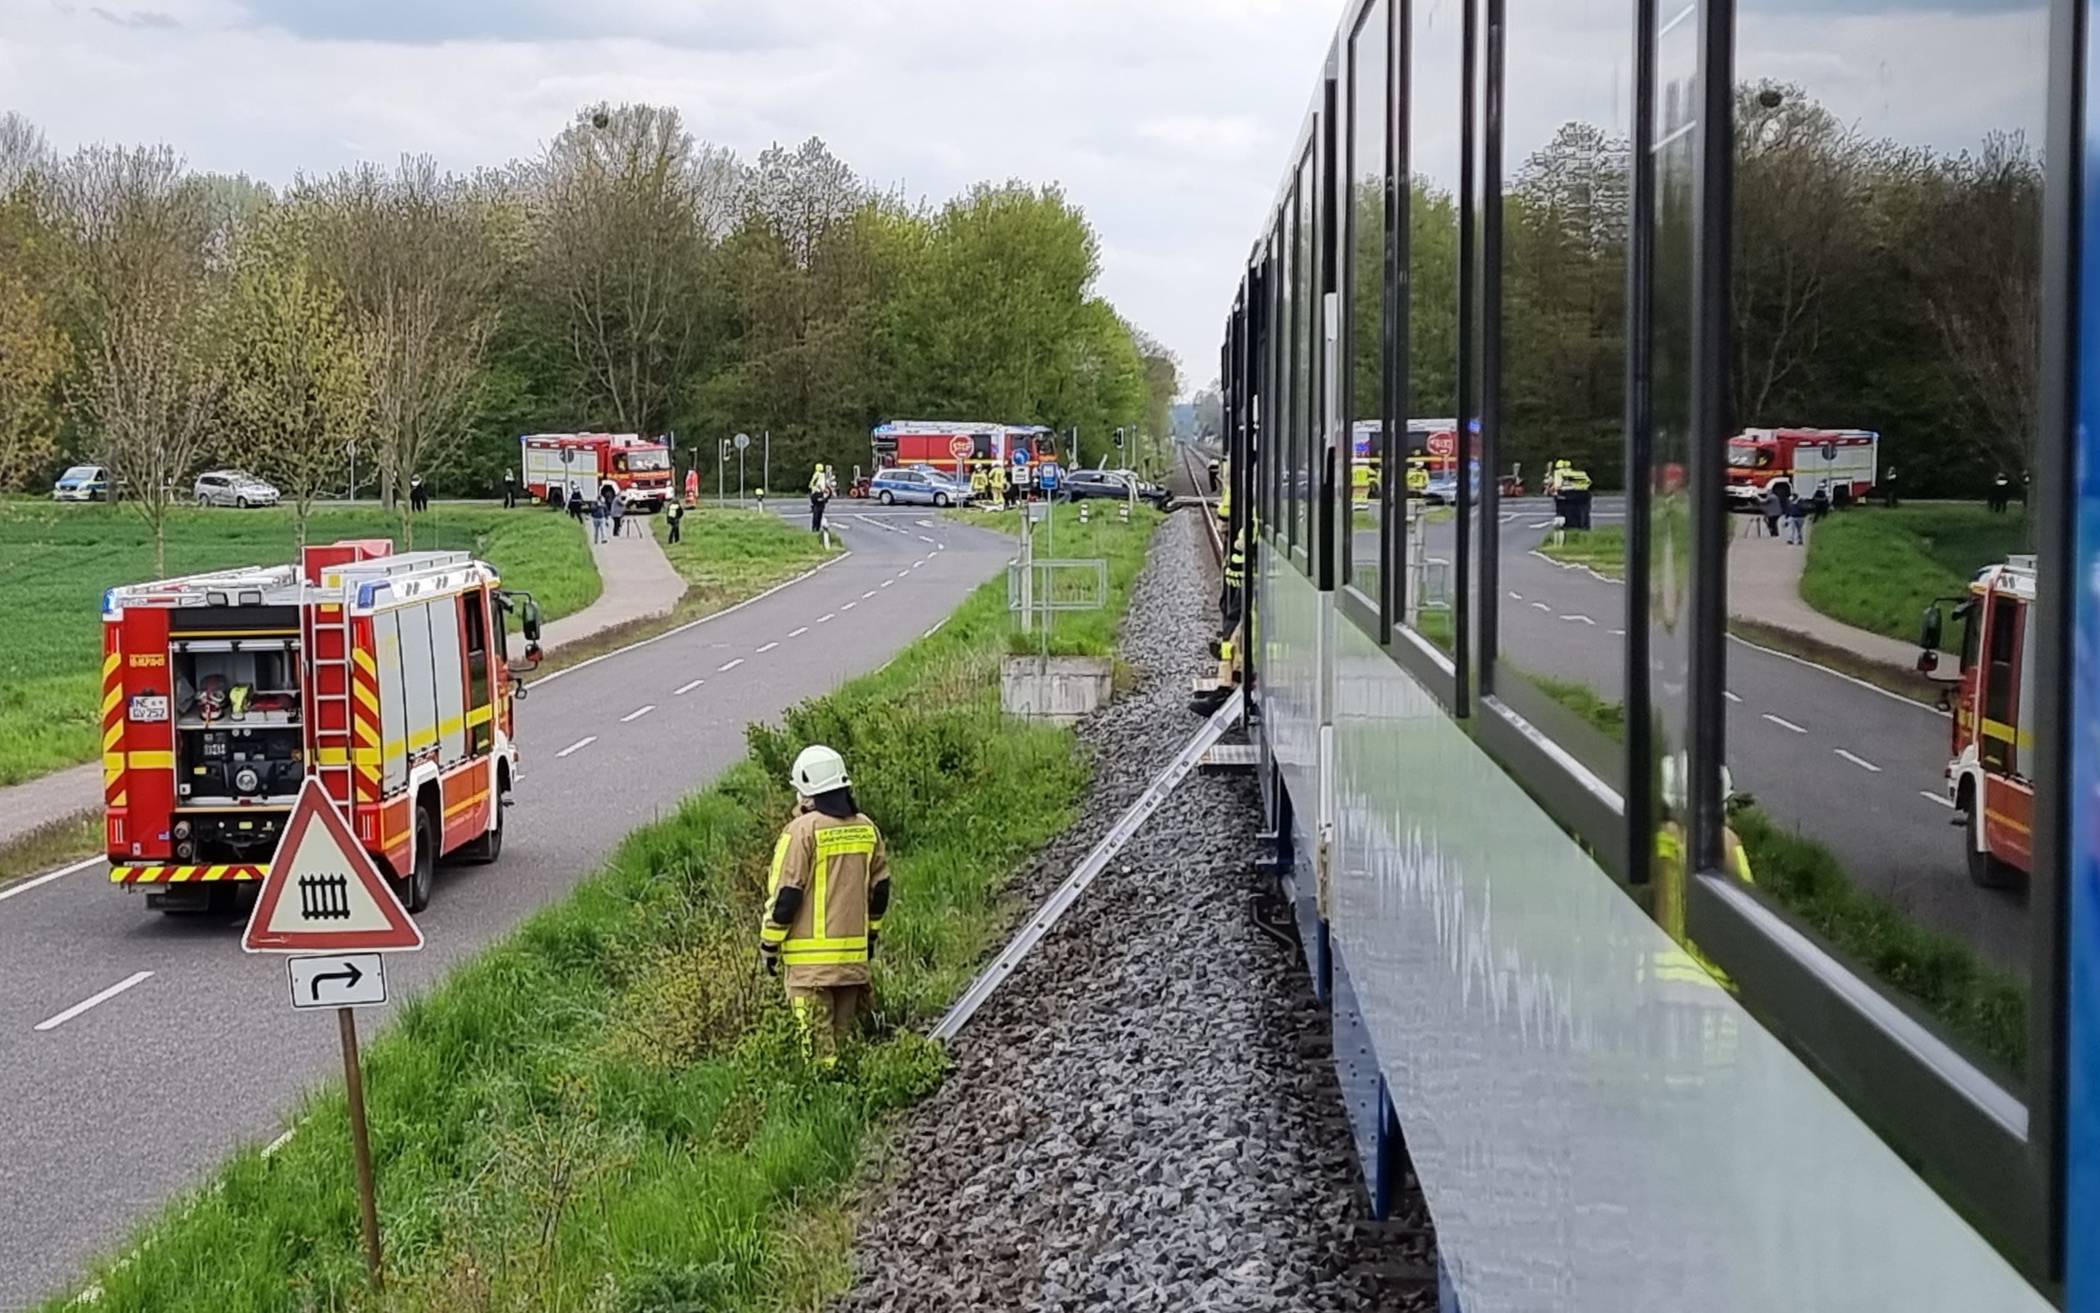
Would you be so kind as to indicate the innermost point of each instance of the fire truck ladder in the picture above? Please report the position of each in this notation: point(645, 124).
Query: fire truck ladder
point(327, 637)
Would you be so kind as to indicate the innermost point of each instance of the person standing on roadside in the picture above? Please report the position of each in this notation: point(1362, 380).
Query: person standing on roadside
point(619, 513)
point(598, 518)
point(816, 499)
point(1769, 507)
point(418, 499)
point(2001, 494)
point(576, 503)
point(1888, 488)
point(829, 862)
point(510, 490)
point(1796, 514)
point(674, 515)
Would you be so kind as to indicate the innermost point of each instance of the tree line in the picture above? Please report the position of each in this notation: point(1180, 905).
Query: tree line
point(1875, 286)
point(379, 324)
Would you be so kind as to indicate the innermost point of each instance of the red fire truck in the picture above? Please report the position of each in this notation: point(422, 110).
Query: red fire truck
point(385, 675)
point(957, 447)
point(637, 471)
point(1842, 462)
point(1993, 735)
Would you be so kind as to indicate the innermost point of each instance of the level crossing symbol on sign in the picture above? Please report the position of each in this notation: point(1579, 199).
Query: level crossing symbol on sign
point(323, 892)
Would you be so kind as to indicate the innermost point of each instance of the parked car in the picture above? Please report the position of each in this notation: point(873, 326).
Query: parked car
point(917, 487)
point(82, 483)
point(1078, 485)
point(234, 488)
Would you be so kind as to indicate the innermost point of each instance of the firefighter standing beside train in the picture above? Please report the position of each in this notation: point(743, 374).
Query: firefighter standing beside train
point(825, 900)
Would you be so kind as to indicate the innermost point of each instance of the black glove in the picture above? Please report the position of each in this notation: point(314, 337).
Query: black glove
point(871, 943)
point(771, 956)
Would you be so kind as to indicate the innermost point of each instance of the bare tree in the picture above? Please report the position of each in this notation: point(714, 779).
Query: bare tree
point(627, 207)
point(422, 259)
point(424, 374)
point(140, 225)
point(23, 151)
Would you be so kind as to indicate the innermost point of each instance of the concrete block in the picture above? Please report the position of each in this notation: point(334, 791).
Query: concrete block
point(1060, 689)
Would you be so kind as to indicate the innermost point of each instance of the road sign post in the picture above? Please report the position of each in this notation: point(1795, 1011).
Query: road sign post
point(326, 899)
point(742, 441)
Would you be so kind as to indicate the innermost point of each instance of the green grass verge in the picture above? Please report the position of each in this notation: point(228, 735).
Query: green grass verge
point(53, 844)
point(61, 559)
point(1983, 1008)
point(606, 1110)
point(1601, 549)
point(1103, 537)
point(726, 555)
point(1879, 569)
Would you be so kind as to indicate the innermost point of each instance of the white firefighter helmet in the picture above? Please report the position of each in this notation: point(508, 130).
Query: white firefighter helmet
point(1672, 782)
point(818, 769)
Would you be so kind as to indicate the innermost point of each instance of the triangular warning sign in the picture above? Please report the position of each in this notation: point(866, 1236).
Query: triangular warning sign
point(324, 892)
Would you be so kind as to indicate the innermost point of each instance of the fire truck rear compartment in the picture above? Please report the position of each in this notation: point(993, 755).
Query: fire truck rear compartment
point(239, 747)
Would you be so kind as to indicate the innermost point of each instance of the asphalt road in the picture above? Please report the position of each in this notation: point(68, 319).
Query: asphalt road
point(110, 1110)
point(1850, 765)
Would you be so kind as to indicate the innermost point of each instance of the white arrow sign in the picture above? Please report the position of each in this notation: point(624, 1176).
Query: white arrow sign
point(338, 980)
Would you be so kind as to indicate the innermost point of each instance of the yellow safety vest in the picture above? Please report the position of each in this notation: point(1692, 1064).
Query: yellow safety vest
point(1236, 568)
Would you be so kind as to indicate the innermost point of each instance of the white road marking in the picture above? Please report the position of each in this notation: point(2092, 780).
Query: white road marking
point(730, 665)
point(1929, 796)
point(1839, 674)
point(828, 615)
point(905, 571)
point(1543, 524)
point(887, 582)
point(849, 606)
point(94, 1000)
point(767, 647)
point(924, 539)
point(1784, 723)
point(865, 596)
point(797, 633)
point(1860, 762)
point(1618, 633)
point(1582, 619)
point(46, 878)
point(916, 564)
point(936, 627)
point(270, 1149)
point(1516, 596)
point(687, 687)
point(638, 713)
point(1540, 606)
point(1730, 695)
point(578, 746)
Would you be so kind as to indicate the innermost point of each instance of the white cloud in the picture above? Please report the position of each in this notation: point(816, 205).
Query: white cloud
point(1168, 120)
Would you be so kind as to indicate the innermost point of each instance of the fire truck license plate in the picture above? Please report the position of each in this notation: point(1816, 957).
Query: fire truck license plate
point(148, 708)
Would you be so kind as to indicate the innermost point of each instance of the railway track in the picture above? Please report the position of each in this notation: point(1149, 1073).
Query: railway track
point(1198, 482)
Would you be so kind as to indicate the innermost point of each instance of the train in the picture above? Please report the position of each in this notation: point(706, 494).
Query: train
point(1543, 844)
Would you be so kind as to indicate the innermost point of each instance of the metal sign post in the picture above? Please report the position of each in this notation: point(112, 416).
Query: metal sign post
point(721, 482)
point(765, 478)
point(325, 896)
point(742, 441)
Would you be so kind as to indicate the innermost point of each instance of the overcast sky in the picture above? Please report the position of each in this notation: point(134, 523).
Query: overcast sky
point(1169, 121)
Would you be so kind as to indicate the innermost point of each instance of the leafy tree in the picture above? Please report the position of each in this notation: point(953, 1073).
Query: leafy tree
point(296, 393)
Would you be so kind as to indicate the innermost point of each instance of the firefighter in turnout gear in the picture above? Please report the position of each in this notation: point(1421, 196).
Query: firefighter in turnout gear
point(1229, 597)
point(824, 904)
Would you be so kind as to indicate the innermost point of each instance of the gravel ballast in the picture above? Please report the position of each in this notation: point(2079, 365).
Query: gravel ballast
point(1144, 1116)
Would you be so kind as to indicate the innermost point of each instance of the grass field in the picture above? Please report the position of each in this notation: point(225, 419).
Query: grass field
point(60, 559)
point(1600, 549)
point(1879, 569)
point(607, 1110)
point(727, 555)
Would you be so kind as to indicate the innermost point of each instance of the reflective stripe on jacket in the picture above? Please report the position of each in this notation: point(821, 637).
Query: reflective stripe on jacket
point(838, 865)
point(1236, 568)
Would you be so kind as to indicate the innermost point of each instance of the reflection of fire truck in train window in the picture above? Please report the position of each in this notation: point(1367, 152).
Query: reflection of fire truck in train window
point(1993, 734)
point(1841, 462)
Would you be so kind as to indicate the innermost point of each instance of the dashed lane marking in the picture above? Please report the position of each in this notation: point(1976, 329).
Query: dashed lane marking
point(905, 571)
point(887, 582)
point(1860, 762)
point(1581, 619)
point(865, 596)
point(94, 1000)
point(850, 605)
point(767, 647)
point(1784, 723)
point(936, 627)
point(638, 713)
point(1515, 596)
point(578, 746)
point(916, 564)
point(729, 665)
point(48, 876)
point(687, 687)
point(797, 633)
point(828, 615)
point(924, 539)
point(1730, 695)
point(1540, 606)
point(1930, 796)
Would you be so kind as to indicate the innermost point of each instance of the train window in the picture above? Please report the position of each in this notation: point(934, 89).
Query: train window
point(1426, 471)
point(1560, 597)
point(1363, 458)
point(1305, 367)
point(1885, 319)
point(1281, 449)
